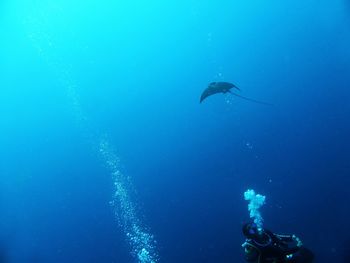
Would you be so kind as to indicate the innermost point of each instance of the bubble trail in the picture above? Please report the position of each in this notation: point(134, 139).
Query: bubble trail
point(141, 241)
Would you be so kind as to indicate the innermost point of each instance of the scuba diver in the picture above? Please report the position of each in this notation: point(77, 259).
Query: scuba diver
point(263, 246)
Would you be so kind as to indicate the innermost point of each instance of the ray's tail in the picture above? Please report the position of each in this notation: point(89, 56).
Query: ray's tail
point(252, 100)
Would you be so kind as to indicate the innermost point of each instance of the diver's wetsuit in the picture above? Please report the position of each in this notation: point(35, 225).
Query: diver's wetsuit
point(268, 247)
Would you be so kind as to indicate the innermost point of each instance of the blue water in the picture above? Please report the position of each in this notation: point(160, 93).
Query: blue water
point(106, 154)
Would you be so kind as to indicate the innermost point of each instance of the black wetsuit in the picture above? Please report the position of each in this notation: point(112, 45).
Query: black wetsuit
point(274, 248)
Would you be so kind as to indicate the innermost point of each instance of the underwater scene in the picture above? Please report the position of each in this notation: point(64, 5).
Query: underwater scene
point(188, 131)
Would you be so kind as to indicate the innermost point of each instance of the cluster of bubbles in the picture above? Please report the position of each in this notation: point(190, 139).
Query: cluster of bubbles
point(140, 240)
point(255, 202)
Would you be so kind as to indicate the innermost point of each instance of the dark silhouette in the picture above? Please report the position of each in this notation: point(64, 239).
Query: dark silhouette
point(225, 87)
point(217, 87)
point(263, 246)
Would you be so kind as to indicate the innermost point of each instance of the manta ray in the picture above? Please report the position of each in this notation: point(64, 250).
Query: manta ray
point(225, 87)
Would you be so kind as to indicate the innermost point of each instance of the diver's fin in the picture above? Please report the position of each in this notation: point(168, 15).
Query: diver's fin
point(245, 98)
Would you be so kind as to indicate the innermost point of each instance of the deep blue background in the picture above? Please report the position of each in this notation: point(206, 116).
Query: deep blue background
point(138, 69)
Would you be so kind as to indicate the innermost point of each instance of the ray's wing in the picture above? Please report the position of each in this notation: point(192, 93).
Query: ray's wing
point(208, 92)
point(234, 86)
point(217, 87)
